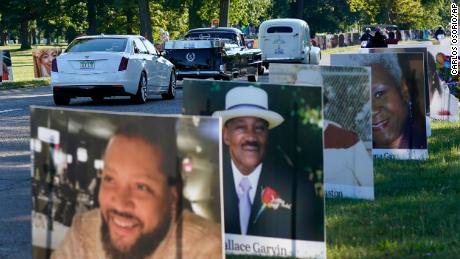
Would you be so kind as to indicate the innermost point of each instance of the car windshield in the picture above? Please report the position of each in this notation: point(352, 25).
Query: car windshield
point(212, 35)
point(98, 44)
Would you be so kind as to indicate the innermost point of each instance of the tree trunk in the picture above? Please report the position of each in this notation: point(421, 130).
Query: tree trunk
point(24, 34)
point(2, 33)
point(129, 20)
point(194, 20)
point(223, 13)
point(91, 18)
point(3, 39)
point(34, 36)
point(300, 7)
point(144, 19)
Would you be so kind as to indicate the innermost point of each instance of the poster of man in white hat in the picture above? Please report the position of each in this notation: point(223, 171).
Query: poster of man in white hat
point(272, 164)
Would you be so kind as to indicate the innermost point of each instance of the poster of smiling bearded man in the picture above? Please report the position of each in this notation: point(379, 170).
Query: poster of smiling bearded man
point(272, 164)
point(110, 185)
point(398, 102)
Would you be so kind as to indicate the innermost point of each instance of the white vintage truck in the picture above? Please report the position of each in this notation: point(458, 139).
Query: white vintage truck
point(287, 41)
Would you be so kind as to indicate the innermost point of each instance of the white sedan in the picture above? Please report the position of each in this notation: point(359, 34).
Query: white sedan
point(111, 65)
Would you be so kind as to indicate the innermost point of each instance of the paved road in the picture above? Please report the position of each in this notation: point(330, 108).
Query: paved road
point(15, 163)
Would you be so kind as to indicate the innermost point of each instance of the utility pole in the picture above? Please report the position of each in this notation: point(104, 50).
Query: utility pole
point(223, 13)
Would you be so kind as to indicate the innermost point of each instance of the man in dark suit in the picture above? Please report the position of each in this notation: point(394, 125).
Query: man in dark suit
point(258, 191)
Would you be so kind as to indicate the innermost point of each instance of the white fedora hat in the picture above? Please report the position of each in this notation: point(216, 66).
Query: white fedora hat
point(248, 102)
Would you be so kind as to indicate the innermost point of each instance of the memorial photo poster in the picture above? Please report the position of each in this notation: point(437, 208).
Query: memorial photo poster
point(272, 164)
point(440, 84)
point(127, 184)
point(403, 49)
point(7, 66)
point(398, 102)
point(43, 59)
point(444, 87)
point(418, 49)
point(348, 165)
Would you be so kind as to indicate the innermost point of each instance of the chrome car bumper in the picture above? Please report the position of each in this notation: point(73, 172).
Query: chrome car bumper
point(200, 73)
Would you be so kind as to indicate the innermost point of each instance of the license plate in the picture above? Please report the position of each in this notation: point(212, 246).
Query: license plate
point(87, 64)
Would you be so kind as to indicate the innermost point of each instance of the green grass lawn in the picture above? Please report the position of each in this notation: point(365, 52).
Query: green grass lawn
point(342, 49)
point(416, 212)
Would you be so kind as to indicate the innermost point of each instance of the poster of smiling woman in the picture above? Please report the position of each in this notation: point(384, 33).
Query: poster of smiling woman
point(348, 165)
point(108, 185)
point(43, 59)
point(272, 164)
point(398, 102)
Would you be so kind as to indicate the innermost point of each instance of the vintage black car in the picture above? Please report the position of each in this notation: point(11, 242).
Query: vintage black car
point(218, 53)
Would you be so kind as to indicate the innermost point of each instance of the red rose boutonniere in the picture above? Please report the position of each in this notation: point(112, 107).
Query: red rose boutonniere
point(271, 199)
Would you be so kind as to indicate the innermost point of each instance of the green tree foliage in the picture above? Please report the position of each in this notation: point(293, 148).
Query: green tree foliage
point(171, 20)
point(54, 19)
point(367, 10)
point(436, 13)
point(242, 12)
point(19, 13)
point(407, 14)
point(281, 9)
point(329, 15)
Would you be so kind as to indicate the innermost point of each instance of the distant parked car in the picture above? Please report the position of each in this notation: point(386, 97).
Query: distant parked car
point(287, 41)
point(111, 65)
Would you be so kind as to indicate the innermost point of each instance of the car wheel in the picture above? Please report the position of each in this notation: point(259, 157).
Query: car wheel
point(61, 99)
point(227, 78)
point(260, 69)
point(141, 95)
point(253, 78)
point(171, 88)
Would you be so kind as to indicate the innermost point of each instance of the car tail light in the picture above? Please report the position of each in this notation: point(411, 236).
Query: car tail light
point(54, 66)
point(123, 64)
